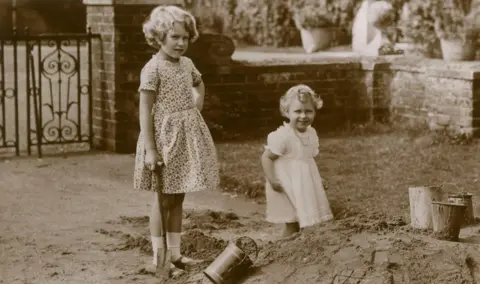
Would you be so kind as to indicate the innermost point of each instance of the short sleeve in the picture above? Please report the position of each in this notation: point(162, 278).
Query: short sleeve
point(149, 76)
point(277, 143)
point(196, 75)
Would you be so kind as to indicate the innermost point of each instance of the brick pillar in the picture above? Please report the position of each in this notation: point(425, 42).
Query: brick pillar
point(117, 61)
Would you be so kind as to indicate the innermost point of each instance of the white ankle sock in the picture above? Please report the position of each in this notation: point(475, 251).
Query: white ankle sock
point(157, 243)
point(173, 243)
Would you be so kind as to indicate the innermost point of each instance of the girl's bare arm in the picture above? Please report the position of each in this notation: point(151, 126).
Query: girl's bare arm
point(147, 99)
point(199, 95)
point(267, 164)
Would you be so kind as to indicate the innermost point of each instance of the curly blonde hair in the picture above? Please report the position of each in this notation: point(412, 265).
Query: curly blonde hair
point(161, 20)
point(304, 94)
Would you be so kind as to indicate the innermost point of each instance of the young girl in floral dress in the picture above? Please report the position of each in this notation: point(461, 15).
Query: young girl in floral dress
point(174, 138)
point(294, 190)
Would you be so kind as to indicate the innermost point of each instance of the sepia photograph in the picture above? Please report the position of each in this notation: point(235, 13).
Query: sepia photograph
point(239, 141)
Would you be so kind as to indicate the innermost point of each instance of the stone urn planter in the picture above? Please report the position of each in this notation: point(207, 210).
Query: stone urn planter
point(210, 50)
point(208, 21)
point(458, 49)
point(316, 39)
point(415, 25)
point(315, 26)
point(457, 26)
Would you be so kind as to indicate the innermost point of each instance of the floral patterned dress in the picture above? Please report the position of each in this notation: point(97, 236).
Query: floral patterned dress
point(182, 137)
point(304, 200)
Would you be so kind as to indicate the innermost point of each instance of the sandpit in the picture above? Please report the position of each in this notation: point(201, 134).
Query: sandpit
point(356, 249)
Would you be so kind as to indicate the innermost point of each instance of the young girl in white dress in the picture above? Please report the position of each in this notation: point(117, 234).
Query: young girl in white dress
point(294, 190)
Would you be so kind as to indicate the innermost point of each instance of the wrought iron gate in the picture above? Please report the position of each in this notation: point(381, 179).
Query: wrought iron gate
point(45, 92)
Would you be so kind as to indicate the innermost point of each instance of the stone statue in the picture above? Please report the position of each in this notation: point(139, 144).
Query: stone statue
point(380, 16)
point(362, 31)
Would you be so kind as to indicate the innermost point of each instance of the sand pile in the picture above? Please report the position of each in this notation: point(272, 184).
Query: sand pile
point(195, 243)
point(357, 249)
point(365, 250)
point(211, 220)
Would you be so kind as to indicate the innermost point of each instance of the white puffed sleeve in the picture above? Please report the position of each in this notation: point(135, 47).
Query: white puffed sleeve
point(277, 142)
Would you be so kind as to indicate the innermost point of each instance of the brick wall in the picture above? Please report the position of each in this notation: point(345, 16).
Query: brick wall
point(118, 59)
point(420, 92)
point(100, 20)
point(242, 96)
point(436, 93)
point(132, 54)
point(244, 100)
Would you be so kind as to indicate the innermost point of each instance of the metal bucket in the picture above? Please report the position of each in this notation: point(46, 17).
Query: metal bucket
point(231, 258)
point(421, 198)
point(464, 198)
point(447, 219)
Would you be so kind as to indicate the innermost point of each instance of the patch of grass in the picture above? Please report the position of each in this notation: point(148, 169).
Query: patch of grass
point(240, 168)
point(369, 172)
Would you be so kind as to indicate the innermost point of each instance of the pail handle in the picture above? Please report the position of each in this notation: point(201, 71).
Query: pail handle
point(460, 191)
point(450, 183)
point(251, 240)
point(245, 254)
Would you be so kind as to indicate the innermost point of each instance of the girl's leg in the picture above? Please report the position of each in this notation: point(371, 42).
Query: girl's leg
point(174, 224)
point(156, 230)
point(290, 229)
point(166, 201)
point(174, 229)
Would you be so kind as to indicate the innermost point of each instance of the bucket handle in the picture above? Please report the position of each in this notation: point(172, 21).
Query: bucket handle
point(460, 191)
point(442, 185)
point(245, 254)
point(255, 243)
point(450, 183)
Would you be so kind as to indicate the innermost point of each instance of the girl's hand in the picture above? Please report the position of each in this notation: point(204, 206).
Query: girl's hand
point(152, 160)
point(198, 93)
point(276, 186)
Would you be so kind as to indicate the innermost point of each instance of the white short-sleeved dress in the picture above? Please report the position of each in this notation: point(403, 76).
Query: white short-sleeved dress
point(304, 200)
point(181, 135)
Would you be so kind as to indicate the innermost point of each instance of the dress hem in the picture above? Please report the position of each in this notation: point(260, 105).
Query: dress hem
point(317, 221)
point(281, 221)
point(191, 191)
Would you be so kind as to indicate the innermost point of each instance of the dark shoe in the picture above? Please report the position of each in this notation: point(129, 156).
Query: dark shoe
point(182, 262)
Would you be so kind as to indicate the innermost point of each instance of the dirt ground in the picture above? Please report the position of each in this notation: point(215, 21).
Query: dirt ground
point(76, 220)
